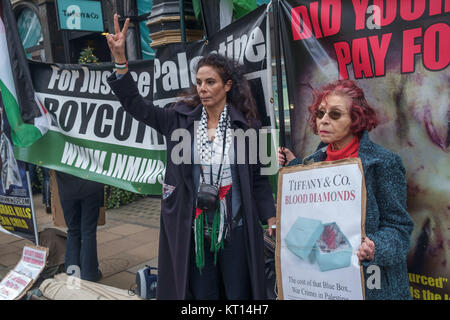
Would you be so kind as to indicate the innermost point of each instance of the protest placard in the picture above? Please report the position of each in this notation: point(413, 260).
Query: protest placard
point(320, 223)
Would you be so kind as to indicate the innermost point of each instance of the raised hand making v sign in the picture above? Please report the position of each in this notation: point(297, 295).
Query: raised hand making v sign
point(116, 43)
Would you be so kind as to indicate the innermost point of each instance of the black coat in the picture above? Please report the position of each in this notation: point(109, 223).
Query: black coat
point(73, 188)
point(177, 208)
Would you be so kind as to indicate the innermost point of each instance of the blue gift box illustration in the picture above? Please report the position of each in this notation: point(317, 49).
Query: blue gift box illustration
point(311, 240)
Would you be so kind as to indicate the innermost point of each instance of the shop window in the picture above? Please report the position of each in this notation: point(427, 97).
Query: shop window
point(30, 32)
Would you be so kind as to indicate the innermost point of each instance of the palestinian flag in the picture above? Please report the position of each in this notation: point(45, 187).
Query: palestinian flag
point(26, 114)
point(220, 13)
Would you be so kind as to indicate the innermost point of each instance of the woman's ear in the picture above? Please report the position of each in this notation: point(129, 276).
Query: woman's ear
point(228, 85)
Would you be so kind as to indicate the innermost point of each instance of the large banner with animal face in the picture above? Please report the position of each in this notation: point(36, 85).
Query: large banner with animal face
point(398, 52)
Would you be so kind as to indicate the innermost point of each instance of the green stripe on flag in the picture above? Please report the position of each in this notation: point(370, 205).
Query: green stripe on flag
point(22, 134)
point(51, 152)
point(242, 7)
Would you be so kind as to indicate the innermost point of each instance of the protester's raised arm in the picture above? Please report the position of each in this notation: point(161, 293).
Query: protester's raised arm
point(116, 43)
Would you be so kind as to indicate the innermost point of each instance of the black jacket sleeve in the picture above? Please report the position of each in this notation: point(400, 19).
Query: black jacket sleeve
point(139, 108)
point(262, 191)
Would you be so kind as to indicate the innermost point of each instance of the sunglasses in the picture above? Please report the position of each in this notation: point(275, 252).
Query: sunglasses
point(333, 114)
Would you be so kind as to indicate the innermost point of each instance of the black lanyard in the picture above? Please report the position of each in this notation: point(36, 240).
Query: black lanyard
point(221, 162)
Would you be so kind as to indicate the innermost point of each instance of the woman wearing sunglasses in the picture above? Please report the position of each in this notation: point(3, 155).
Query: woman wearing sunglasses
point(342, 118)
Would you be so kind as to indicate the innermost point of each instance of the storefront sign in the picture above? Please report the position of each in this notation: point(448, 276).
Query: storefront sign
point(80, 15)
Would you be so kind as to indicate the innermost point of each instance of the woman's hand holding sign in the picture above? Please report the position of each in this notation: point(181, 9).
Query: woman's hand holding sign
point(367, 250)
point(285, 156)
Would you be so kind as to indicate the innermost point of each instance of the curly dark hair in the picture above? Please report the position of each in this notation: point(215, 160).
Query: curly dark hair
point(240, 95)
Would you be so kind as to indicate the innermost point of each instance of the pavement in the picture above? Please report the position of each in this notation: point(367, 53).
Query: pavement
point(127, 242)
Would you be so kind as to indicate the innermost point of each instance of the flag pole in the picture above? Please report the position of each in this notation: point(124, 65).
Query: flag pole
point(276, 19)
point(33, 212)
point(202, 10)
point(65, 36)
point(182, 22)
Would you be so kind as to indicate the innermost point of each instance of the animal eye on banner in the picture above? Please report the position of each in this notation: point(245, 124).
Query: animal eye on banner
point(398, 52)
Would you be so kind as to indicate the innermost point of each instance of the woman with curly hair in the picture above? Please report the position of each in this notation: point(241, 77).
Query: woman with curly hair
point(211, 240)
point(342, 118)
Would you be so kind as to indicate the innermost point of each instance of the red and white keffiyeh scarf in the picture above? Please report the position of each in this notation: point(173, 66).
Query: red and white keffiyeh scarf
point(210, 157)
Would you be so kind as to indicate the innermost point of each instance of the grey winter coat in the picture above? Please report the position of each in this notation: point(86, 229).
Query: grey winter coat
point(388, 224)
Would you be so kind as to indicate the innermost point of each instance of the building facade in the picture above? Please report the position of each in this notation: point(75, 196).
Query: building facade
point(39, 25)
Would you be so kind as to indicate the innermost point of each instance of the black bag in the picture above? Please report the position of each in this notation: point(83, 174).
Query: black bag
point(208, 194)
point(207, 197)
point(55, 240)
point(269, 267)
